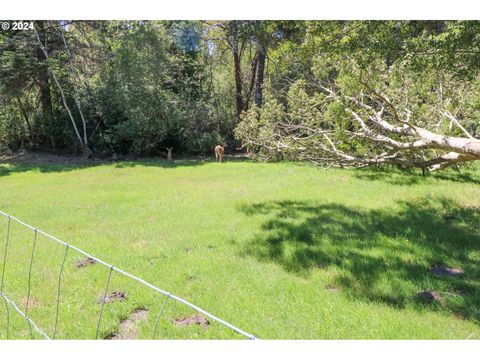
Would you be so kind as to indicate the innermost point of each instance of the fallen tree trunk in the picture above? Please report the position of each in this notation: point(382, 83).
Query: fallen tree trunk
point(391, 134)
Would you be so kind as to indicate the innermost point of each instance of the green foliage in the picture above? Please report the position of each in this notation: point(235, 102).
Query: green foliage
point(422, 67)
point(157, 89)
point(142, 86)
point(11, 132)
point(147, 85)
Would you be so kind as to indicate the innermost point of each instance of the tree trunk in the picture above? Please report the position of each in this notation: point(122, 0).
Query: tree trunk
point(238, 77)
point(261, 55)
point(86, 150)
point(43, 77)
point(27, 120)
point(253, 76)
point(394, 139)
point(76, 94)
point(24, 113)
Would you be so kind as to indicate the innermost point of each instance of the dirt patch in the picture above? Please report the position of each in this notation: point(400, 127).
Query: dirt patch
point(439, 270)
point(84, 262)
point(130, 328)
point(113, 296)
point(193, 320)
point(25, 157)
point(332, 288)
point(42, 158)
point(428, 295)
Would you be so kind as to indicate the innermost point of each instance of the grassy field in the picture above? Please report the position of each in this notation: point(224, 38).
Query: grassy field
point(280, 250)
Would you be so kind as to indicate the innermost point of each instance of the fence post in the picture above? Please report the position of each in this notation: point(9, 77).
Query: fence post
point(103, 301)
point(58, 290)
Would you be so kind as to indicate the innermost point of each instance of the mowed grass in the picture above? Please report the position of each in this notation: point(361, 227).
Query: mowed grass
point(283, 251)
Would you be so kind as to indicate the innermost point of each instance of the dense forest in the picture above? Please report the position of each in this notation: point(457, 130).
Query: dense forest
point(343, 93)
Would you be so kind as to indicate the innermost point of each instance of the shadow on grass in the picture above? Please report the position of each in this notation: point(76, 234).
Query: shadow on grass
point(377, 255)
point(397, 176)
point(52, 163)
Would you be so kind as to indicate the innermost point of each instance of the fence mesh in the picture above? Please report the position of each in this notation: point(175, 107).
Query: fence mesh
point(50, 283)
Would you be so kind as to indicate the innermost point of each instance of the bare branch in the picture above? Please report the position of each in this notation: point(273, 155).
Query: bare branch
point(45, 52)
point(379, 134)
point(456, 122)
point(76, 95)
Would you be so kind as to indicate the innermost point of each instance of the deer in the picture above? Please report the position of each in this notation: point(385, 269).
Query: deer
point(169, 153)
point(219, 150)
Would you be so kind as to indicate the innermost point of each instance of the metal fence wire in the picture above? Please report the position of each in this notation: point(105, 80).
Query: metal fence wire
point(33, 326)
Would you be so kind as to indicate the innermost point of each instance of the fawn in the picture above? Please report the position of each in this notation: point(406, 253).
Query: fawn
point(169, 153)
point(219, 150)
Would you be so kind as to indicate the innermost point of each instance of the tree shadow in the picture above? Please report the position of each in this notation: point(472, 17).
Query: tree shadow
point(46, 163)
point(398, 176)
point(377, 255)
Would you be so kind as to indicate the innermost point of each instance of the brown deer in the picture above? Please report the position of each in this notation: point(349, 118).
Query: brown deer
point(169, 153)
point(219, 150)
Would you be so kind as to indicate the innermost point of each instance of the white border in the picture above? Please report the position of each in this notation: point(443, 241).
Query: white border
point(239, 9)
point(231, 350)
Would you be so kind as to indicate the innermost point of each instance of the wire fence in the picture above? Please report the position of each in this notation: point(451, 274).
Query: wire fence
point(68, 247)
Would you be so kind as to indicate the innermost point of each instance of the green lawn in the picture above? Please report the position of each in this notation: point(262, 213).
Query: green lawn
point(280, 250)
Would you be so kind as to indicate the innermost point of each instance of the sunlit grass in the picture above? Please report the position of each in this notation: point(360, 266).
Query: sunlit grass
point(280, 250)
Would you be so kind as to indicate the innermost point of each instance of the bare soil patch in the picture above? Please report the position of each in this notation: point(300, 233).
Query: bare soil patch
point(440, 270)
point(429, 295)
point(85, 262)
point(193, 320)
point(130, 328)
point(332, 288)
point(25, 157)
point(113, 296)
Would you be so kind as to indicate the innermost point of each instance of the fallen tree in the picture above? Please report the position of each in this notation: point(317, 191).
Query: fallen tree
point(360, 125)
